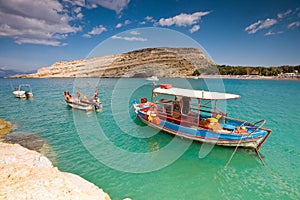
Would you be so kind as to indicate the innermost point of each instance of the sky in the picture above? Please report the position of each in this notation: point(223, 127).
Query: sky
point(38, 33)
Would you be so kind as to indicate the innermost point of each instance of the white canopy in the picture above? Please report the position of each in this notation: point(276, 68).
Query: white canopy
point(198, 94)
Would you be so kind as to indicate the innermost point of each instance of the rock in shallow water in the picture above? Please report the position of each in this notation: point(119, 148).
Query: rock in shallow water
point(5, 127)
point(30, 141)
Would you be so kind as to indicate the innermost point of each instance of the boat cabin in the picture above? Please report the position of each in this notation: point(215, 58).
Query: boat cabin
point(190, 108)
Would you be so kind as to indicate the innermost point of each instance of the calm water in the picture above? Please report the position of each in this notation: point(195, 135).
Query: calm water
point(115, 151)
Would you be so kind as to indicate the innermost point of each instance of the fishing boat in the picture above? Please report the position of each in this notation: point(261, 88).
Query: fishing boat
point(194, 115)
point(81, 102)
point(23, 91)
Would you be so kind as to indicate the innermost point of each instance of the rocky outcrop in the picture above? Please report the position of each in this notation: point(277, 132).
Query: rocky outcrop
point(27, 174)
point(5, 127)
point(162, 62)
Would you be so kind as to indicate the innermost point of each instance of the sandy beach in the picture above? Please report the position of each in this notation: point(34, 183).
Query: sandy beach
point(251, 77)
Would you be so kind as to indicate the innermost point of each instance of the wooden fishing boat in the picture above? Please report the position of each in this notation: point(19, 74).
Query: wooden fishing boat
point(81, 102)
point(193, 114)
point(23, 91)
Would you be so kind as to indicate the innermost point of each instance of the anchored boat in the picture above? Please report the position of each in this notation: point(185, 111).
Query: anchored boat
point(81, 102)
point(23, 91)
point(152, 78)
point(193, 114)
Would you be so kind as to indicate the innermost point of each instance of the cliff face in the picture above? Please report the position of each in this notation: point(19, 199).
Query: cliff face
point(162, 62)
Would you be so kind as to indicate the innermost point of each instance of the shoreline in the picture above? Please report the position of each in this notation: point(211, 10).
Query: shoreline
point(34, 176)
point(240, 77)
point(247, 77)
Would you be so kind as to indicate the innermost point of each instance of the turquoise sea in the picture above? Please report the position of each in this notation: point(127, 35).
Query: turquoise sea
point(118, 153)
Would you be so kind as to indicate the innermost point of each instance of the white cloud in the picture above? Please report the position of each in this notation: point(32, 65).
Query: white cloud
point(119, 25)
point(288, 19)
point(134, 33)
point(98, 30)
point(116, 5)
point(95, 31)
point(259, 25)
point(194, 28)
point(77, 10)
point(76, 2)
point(272, 33)
point(293, 24)
point(283, 15)
point(35, 21)
point(126, 22)
point(79, 15)
point(86, 35)
point(150, 19)
point(40, 41)
point(129, 38)
point(182, 19)
point(147, 20)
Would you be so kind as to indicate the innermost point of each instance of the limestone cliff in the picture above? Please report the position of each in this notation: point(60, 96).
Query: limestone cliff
point(162, 62)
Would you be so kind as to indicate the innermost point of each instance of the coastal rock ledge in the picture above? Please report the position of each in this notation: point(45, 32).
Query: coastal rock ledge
point(26, 174)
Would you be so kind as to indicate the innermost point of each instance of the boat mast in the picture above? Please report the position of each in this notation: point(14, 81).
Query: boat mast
point(153, 87)
point(215, 109)
point(198, 118)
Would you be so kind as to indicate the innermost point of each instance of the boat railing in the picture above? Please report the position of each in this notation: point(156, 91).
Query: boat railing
point(189, 120)
point(263, 121)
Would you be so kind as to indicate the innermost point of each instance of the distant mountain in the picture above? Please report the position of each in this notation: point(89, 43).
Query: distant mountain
point(8, 72)
point(11, 72)
point(161, 62)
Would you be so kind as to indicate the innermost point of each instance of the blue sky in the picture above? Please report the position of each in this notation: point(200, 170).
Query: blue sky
point(37, 33)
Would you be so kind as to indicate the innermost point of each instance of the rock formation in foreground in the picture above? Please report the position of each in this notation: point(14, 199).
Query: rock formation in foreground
point(26, 174)
point(161, 62)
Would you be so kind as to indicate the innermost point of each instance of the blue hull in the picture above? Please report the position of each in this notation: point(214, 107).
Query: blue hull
point(253, 140)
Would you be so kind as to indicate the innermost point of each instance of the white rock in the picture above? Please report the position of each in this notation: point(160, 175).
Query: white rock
point(25, 174)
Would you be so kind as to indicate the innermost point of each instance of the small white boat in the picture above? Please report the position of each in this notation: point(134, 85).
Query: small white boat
point(152, 78)
point(83, 103)
point(23, 91)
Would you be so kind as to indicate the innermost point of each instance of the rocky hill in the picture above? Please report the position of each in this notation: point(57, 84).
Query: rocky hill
point(161, 62)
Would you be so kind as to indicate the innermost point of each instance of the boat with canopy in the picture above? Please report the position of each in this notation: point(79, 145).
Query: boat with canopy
point(194, 114)
point(23, 91)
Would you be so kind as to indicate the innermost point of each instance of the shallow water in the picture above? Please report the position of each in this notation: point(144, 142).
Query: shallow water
point(118, 153)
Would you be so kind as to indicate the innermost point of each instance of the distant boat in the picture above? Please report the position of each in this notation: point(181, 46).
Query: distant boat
point(23, 91)
point(82, 103)
point(193, 114)
point(152, 78)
